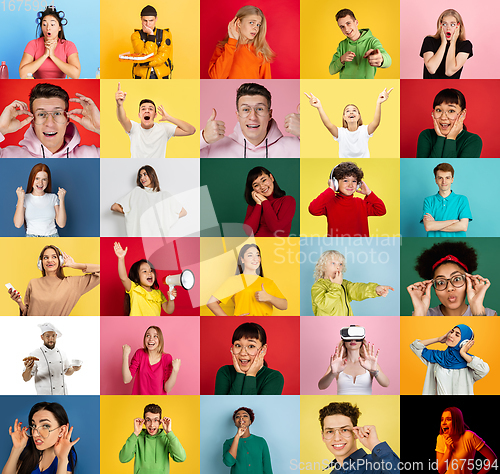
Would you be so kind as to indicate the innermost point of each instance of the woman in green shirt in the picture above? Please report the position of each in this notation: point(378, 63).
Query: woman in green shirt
point(246, 452)
point(249, 373)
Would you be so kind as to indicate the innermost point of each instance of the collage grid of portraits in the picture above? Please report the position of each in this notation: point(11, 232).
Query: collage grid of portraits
point(204, 214)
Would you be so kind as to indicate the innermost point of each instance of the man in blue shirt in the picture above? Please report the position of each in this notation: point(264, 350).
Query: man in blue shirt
point(445, 214)
point(340, 430)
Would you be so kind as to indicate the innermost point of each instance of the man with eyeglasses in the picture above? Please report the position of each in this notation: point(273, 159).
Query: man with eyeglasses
point(340, 430)
point(51, 134)
point(52, 364)
point(153, 446)
point(256, 135)
point(446, 214)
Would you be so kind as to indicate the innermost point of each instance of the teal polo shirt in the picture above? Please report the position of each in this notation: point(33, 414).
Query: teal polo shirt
point(455, 206)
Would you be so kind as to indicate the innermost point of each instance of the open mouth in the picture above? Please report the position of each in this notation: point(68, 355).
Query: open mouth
point(49, 134)
point(338, 446)
point(448, 34)
point(445, 429)
point(245, 362)
point(147, 117)
point(252, 126)
point(150, 279)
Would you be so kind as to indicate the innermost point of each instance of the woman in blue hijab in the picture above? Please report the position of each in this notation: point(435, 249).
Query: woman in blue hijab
point(452, 371)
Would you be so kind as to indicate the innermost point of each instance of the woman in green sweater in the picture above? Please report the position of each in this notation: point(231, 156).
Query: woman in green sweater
point(449, 138)
point(246, 452)
point(249, 373)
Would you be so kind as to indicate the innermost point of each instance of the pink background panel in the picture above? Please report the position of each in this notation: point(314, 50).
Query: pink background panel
point(283, 353)
point(283, 32)
point(319, 336)
point(182, 341)
point(417, 97)
point(417, 23)
point(221, 96)
point(162, 254)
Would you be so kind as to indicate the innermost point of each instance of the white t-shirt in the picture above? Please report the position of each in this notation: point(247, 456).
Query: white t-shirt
point(150, 143)
point(354, 144)
point(149, 213)
point(40, 214)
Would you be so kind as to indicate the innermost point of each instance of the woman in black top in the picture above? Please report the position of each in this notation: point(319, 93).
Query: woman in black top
point(445, 53)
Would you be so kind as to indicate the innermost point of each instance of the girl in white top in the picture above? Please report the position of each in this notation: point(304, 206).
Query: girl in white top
point(353, 135)
point(148, 211)
point(354, 366)
point(37, 208)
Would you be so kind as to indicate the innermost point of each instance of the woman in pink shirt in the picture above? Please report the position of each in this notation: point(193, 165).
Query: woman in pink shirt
point(155, 371)
point(50, 56)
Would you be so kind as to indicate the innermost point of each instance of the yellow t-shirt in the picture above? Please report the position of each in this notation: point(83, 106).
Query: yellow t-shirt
point(242, 289)
point(145, 303)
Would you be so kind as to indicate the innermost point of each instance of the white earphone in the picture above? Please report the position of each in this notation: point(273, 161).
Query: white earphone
point(61, 259)
point(336, 183)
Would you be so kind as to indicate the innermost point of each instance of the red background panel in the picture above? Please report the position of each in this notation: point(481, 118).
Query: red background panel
point(161, 252)
point(283, 353)
point(19, 89)
point(283, 32)
point(418, 95)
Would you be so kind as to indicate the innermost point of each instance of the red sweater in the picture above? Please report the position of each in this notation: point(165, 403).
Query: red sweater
point(230, 62)
point(347, 215)
point(273, 218)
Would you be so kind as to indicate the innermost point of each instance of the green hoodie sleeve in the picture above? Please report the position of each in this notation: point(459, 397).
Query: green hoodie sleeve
point(175, 448)
point(227, 458)
point(336, 64)
point(127, 453)
point(228, 381)
point(376, 44)
point(360, 291)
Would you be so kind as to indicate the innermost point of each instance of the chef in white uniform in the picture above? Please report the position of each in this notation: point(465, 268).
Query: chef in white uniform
point(51, 366)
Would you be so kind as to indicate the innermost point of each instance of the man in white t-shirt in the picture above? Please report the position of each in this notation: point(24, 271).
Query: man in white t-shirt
point(148, 140)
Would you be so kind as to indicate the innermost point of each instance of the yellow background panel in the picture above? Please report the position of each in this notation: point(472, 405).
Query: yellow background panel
point(382, 411)
point(26, 252)
point(317, 141)
point(485, 347)
point(280, 262)
point(120, 412)
point(320, 34)
point(181, 18)
point(180, 99)
point(381, 176)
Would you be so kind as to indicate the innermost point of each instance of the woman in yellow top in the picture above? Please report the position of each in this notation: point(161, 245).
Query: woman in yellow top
point(143, 296)
point(251, 293)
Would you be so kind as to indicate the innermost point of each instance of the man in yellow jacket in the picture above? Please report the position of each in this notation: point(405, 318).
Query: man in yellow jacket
point(151, 40)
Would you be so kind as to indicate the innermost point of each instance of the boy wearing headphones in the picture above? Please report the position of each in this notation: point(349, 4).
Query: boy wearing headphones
point(347, 216)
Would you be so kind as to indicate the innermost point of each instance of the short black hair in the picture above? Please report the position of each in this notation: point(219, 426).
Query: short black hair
point(450, 96)
point(248, 410)
point(250, 88)
point(146, 101)
point(340, 408)
point(152, 408)
point(343, 13)
point(464, 253)
point(348, 168)
point(48, 91)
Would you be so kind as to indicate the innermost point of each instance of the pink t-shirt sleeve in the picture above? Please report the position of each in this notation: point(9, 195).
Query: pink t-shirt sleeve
point(136, 361)
point(69, 48)
point(167, 367)
point(31, 48)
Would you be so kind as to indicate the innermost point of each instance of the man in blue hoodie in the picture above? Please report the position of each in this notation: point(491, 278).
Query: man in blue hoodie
point(152, 447)
point(360, 54)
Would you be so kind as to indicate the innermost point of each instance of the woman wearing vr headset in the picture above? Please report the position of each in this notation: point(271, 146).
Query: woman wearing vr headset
point(38, 208)
point(452, 371)
point(55, 294)
point(448, 266)
point(50, 56)
point(354, 365)
point(147, 200)
point(353, 136)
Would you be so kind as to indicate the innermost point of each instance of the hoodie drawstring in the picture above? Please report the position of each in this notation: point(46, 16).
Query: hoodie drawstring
point(266, 148)
point(67, 152)
point(245, 149)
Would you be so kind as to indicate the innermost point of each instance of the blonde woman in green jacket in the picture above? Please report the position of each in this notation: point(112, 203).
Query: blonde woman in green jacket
point(331, 293)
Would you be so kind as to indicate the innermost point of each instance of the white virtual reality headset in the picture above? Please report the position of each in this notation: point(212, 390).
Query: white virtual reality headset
point(352, 333)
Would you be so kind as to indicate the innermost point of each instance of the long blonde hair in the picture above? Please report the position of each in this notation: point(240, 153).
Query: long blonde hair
point(456, 15)
point(259, 42)
point(344, 122)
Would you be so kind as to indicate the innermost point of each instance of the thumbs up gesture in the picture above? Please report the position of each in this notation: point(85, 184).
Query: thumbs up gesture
point(375, 57)
point(120, 96)
point(262, 296)
point(214, 129)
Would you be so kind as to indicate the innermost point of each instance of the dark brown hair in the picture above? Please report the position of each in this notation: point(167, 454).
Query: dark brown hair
point(340, 408)
point(152, 176)
point(250, 88)
point(248, 410)
point(444, 167)
point(239, 266)
point(48, 91)
point(343, 13)
point(59, 272)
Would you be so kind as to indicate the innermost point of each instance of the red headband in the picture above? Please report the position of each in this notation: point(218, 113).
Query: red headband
point(449, 258)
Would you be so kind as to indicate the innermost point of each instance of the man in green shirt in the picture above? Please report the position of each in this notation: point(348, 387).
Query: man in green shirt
point(360, 54)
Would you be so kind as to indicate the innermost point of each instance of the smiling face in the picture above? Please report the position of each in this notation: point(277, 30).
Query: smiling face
point(40, 182)
point(449, 24)
point(250, 261)
point(453, 337)
point(349, 26)
point(144, 178)
point(146, 275)
point(50, 27)
point(254, 117)
point(242, 418)
point(444, 180)
point(249, 28)
point(50, 132)
point(45, 421)
point(147, 114)
point(347, 185)
point(446, 115)
point(341, 443)
point(152, 422)
point(246, 350)
point(49, 339)
point(148, 22)
point(151, 339)
point(334, 266)
point(264, 185)
point(50, 261)
point(351, 117)
point(452, 298)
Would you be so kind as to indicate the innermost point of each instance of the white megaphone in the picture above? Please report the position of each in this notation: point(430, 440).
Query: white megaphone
point(185, 279)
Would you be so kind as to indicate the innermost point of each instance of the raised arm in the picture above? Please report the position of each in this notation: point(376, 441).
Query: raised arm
point(61, 209)
point(19, 214)
point(126, 374)
point(383, 96)
point(336, 366)
point(183, 129)
point(120, 110)
point(19, 440)
point(84, 267)
point(122, 271)
point(315, 102)
point(170, 383)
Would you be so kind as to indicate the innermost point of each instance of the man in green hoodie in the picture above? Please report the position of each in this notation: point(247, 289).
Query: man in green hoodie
point(360, 54)
point(152, 446)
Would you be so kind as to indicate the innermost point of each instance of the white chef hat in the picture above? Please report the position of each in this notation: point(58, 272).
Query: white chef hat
point(49, 327)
